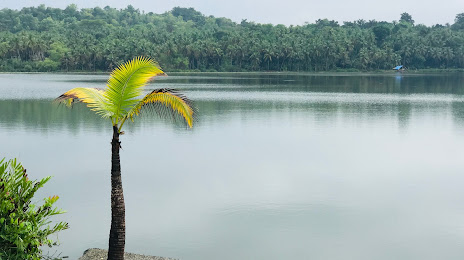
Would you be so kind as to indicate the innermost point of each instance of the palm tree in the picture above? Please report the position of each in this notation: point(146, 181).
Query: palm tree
point(121, 100)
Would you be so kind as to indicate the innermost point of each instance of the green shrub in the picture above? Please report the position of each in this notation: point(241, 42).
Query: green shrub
point(47, 65)
point(24, 227)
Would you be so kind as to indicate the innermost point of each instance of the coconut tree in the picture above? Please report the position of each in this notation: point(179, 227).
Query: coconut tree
point(121, 100)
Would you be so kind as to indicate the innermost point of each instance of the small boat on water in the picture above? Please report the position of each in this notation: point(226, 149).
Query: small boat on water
point(399, 68)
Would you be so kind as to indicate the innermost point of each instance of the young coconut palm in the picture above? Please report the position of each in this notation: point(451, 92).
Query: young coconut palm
point(121, 100)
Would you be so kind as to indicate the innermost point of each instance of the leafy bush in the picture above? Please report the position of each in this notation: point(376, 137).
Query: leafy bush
point(24, 227)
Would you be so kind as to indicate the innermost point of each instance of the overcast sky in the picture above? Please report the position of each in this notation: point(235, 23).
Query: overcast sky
point(287, 12)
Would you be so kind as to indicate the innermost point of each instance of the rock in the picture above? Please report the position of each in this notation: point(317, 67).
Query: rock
point(101, 254)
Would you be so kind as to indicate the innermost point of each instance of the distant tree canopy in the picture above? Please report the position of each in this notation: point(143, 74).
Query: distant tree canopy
point(98, 39)
point(458, 22)
point(407, 18)
point(189, 14)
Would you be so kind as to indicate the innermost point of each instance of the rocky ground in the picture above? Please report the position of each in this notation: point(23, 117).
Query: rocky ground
point(100, 254)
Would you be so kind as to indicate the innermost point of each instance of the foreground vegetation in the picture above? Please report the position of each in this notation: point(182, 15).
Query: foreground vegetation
point(24, 226)
point(96, 39)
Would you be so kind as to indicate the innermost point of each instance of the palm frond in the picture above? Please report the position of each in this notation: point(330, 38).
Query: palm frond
point(166, 103)
point(94, 98)
point(125, 85)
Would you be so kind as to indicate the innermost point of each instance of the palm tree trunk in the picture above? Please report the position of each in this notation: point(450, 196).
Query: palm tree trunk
point(118, 225)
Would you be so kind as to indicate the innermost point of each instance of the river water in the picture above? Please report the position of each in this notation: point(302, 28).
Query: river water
point(278, 166)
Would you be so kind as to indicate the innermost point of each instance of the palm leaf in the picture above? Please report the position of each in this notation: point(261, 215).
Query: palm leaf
point(125, 85)
point(94, 98)
point(166, 102)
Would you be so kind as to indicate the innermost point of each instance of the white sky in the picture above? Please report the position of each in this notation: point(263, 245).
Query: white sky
point(287, 12)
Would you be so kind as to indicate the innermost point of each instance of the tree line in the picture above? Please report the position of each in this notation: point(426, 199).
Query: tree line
point(183, 39)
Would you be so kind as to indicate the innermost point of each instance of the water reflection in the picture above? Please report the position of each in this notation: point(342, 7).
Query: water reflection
point(47, 85)
point(44, 115)
point(278, 166)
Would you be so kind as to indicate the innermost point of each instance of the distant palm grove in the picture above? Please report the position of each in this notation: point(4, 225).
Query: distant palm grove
point(99, 39)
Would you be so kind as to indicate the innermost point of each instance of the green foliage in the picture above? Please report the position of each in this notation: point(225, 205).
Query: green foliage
point(99, 39)
point(121, 99)
point(406, 18)
point(24, 227)
point(47, 65)
point(458, 22)
point(381, 32)
point(189, 14)
point(58, 51)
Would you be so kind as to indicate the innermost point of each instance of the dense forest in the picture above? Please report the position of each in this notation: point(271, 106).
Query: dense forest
point(98, 39)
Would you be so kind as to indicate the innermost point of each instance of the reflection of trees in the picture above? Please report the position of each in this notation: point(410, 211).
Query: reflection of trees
point(404, 114)
point(457, 109)
point(43, 115)
point(327, 113)
point(340, 83)
point(251, 95)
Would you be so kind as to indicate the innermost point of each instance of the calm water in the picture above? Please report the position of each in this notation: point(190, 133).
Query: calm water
point(278, 166)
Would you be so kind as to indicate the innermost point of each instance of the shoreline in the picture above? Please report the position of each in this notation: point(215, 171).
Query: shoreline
point(101, 254)
point(330, 72)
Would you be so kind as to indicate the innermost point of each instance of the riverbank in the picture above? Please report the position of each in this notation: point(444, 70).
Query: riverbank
point(339, 71)
point(101, 254)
